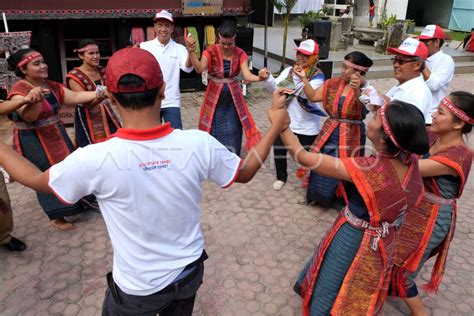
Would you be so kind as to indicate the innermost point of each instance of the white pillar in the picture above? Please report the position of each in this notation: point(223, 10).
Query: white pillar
point(398, 7)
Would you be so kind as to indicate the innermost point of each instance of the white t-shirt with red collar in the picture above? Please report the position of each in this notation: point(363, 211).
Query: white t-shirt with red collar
point(148, 186)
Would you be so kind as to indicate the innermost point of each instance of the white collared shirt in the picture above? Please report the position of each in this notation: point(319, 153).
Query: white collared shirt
point(416, 92)
point(171, 57)
point(441, 66)
point(302, 122)
point(148, 186)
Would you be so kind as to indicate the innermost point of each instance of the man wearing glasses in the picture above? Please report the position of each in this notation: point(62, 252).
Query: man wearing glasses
point(172, 57)
point(408, 64)
point(439, 69)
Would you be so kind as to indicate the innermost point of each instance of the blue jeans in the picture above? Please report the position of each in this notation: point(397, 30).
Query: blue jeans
point(172, 115)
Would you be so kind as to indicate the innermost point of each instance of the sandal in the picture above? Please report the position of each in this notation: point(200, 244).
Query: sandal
point(62, 224)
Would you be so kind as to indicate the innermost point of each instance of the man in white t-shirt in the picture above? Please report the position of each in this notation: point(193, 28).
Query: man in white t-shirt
point(439, 70)
point(147, 180)
point(408, 64)
point(172, 57)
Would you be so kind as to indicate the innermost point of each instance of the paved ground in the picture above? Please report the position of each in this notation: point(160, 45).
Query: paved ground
point(258, 240)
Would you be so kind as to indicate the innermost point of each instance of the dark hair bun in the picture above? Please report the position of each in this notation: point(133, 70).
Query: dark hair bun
point(14, 59)
point(408, 126)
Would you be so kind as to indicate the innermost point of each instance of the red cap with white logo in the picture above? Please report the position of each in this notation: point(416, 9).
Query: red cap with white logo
point(411, 47)
point(308, 47)
point(432, 31)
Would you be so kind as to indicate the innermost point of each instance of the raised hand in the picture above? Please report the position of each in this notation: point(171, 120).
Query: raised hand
point(190, 43)
point(356, 81)
point(279, 97)
point(263, 74)
point(277, 114)
point(299, 71)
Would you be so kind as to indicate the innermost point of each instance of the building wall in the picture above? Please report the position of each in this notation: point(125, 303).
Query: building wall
point(437, 12)
point(361, 11)
point(398, 7)
point(462, 16)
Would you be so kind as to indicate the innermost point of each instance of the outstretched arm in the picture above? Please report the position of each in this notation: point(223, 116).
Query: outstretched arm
point(247, 74)
point(19, 103)
point(23, 170)
point(256, 157)
point(324, 165)
point(431, 168)
point(81, 97)
point(78, 88)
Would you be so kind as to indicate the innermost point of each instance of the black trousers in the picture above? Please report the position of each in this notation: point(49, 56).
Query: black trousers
point(177, 299)
point(280, 151)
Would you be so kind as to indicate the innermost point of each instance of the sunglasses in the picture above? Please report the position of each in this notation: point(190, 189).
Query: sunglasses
point(403, 61)
point(425, 41)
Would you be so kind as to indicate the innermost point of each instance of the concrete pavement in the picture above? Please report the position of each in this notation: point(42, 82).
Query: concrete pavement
point(258, 241)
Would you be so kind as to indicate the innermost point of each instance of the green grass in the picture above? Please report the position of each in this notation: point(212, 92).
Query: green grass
point(456, 35)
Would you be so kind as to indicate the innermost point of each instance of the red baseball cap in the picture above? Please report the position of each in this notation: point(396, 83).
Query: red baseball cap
point(133, 61)
point(163, 14)
point(308, 47)
point(411, 47)
point(432, 31)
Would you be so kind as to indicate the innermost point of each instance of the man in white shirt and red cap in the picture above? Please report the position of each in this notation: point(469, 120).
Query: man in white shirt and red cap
point(172, 57)
point(408, 64)
point(439, 69)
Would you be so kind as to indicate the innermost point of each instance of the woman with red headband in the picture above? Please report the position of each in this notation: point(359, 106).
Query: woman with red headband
point(224, 111)
point(96, 121)
point(39, 135)
point(429, 228)
point(343, 133)
point(350, 271)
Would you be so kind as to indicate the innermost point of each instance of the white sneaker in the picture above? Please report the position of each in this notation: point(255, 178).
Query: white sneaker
point(278, 185)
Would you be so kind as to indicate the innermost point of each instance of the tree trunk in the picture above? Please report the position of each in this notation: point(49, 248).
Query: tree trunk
point(285, 34)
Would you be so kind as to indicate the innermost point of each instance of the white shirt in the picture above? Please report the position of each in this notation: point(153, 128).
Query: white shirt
point(148, 186)
point(171, 57)
point(302, 122)
point(441, 66)
point(416, 92)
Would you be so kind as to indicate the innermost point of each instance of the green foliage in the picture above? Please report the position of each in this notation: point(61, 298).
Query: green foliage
point(410, 23)
point(388, 21)
point(283, 6)
point(308, 17)
point(324, 10)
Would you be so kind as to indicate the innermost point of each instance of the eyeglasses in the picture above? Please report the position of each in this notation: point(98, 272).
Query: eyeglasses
point(403, 61)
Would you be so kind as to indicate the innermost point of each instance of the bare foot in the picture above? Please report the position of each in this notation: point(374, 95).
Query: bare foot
point(62, 224)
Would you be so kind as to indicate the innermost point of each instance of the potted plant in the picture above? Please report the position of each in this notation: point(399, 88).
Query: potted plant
point(305, 20)
point(385, 22)
point(410, 26)
point(324, 12)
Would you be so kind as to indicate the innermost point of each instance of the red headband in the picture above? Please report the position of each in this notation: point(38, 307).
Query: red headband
point(227, 40)
point(357, 67)
point(457, 111)
point(86, 48)
point(28, 58)
point(387, 129)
